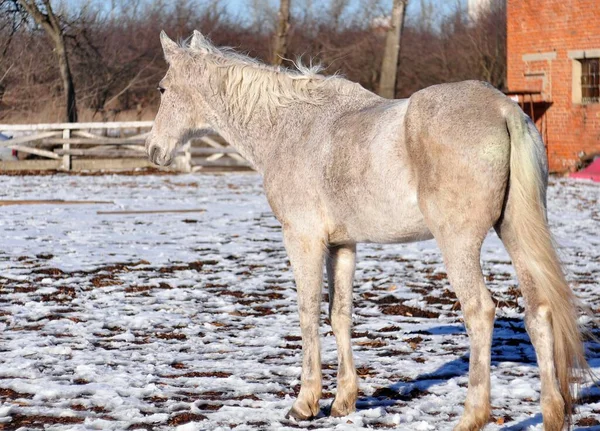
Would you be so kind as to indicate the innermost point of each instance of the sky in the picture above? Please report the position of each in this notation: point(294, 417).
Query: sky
point(242, 8)
point(235, 7)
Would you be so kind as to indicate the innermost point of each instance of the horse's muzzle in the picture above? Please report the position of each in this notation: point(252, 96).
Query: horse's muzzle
point(155, 155)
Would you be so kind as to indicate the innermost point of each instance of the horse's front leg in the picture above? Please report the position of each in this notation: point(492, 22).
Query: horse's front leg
point(340, 274)
point(306, 253)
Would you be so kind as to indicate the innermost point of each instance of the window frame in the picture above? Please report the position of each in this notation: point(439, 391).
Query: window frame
point(590, 73)
point(578, 58)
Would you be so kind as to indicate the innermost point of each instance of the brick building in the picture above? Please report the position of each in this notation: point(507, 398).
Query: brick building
point(553, 68)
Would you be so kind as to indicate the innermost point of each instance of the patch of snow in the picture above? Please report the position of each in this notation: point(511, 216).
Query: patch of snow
point(189, 321)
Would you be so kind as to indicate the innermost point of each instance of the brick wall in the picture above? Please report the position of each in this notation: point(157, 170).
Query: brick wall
point(542, 37)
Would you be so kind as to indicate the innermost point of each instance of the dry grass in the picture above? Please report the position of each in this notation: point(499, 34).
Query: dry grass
point(54, 114)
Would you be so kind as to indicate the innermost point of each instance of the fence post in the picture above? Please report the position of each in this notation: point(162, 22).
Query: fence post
point(66, 160)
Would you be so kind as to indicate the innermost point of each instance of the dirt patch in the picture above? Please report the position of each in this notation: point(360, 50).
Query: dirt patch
point(63, 294)
point(414, 342)
point(405, 310)
point(435, 300)
point(393, 352)
point(293, 346)
point(105, 280)
point(185, 418)
point(209, 407)
point(219, 374)
point(136, 289)
point(54, 272)
point(437, 276)
point(366, 371)
point(587, 422)
point(38, 422)
point(171, 336)
point(391, 394)
point(6, 393)
point(390, 329)
point(211, 395)
point(44, 256)
point(372, 343)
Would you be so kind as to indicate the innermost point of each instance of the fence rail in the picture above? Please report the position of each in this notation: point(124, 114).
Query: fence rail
point(105, 146)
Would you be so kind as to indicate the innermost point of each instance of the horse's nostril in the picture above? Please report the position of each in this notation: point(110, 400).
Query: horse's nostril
point(153, 154)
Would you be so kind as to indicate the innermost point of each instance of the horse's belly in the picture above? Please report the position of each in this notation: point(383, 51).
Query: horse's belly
point(380, 216)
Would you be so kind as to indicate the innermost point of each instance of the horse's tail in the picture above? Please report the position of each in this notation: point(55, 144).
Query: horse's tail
point(527, 192)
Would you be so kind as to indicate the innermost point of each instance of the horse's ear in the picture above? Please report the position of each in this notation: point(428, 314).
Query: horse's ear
point(169, 47)
point(198, 41)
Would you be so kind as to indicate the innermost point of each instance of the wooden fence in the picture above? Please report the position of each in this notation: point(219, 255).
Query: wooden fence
point(106, 146)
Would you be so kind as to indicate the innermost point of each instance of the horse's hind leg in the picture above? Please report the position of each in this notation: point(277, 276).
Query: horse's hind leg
point(459, 217)
point(340, 274)
point(539, 326)
point(461, 256)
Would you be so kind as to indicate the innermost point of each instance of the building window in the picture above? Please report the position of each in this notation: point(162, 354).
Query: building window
point(590, 80)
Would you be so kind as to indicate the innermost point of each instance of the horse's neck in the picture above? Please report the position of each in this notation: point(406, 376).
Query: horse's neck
point(260, 137)
point(263, 136)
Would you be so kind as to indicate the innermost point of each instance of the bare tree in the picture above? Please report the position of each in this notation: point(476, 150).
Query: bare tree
point(389, 66)
point(11, 18)
point(262, 16)
point(283, 26)
point(488, 43)
point(45, 17)
point(115, 58)
point(336, 11)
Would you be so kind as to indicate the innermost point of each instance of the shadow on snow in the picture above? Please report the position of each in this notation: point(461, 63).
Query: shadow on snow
point(510, 343)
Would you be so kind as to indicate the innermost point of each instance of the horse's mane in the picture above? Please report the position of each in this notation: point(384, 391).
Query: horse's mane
point(248, 84)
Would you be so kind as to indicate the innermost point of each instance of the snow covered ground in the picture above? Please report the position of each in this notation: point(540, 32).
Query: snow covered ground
point(154, 321)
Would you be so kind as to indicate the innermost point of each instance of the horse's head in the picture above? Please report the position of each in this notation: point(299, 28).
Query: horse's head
point(183, 112)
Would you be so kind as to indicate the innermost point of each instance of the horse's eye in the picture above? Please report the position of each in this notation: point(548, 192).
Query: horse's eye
point(161, 89)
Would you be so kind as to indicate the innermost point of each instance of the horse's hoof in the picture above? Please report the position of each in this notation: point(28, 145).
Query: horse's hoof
point(474, 418)
point(467, 427)
point(470, 424)
point(341, 409)
point(297, 415)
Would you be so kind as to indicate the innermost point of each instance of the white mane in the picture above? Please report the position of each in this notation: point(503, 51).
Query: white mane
point(249, 84)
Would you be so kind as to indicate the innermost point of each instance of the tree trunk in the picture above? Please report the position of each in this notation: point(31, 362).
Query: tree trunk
point(49, 22)
point(67, 79)
point(283, 26)
point(391, 55)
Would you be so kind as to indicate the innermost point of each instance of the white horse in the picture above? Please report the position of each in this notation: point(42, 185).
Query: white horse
point(341, 166)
